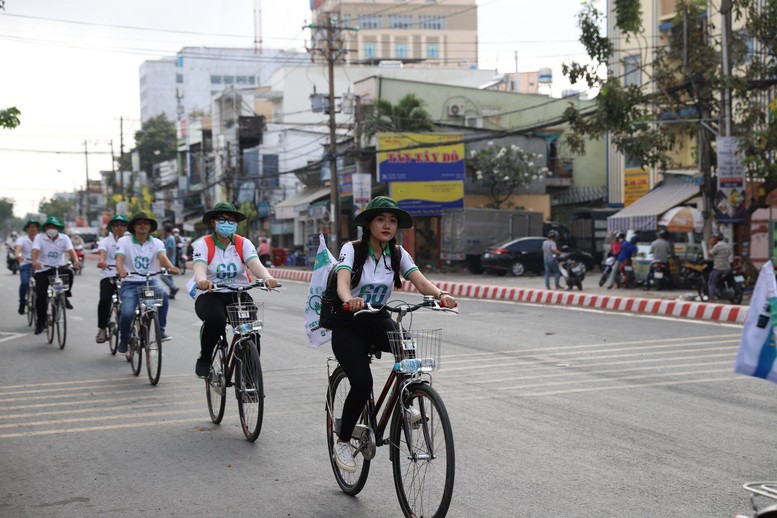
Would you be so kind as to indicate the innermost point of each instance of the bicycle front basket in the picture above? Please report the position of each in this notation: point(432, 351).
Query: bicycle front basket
point(417, 344)
point(150, 296)
point(59, 284)
point(246, 318)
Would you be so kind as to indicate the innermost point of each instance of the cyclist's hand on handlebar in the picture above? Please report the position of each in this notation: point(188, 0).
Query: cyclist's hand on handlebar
point(174, 270)
point(271, 283)
point(76, 264)
point(101, 265)
point(447, 301)
point(205, 285)
point(121, 272)
point(354, 304)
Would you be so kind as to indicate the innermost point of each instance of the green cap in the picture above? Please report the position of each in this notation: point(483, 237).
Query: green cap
point(223, 207)
point(383, 204)
point(118, 218)
point(51, 220)
point(31, 222)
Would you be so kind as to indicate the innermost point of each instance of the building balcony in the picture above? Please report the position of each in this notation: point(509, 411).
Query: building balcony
point(666, 8)
point(559, 172)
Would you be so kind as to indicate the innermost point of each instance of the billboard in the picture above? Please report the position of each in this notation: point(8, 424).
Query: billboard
point(428, 198)
point(420, 157)
point(730, 198)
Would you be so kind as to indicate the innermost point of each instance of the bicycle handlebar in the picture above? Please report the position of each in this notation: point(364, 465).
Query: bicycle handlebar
point(257, 283)
point(428, 302)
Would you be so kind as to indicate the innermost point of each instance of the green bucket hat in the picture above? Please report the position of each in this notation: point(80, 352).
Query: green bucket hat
point(51, 220)
point(140, 216)
point(383, 204)
point(223, 207)
point(31, 222)
point(118, 218)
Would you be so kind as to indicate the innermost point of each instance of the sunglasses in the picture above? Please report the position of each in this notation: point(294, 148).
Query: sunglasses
point(225, 219)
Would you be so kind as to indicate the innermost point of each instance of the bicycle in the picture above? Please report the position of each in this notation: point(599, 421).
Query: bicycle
point(763, 489)
point(145, 332)
point(30, 301)
point(420, 433)
point(241, 359)
point(114, 318)
point(55, 300)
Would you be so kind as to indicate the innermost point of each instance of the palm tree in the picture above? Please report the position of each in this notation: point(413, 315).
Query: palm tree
point(407, 115)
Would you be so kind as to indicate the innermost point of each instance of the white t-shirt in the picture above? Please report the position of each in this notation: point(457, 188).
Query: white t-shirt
point(52, 253)
point(377, 278)
point(26, 243)
point(111, 245)
point(226, 266)
point(140, 258)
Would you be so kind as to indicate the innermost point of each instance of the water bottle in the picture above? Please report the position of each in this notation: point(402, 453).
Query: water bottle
point(245, 328)
point(415, 365)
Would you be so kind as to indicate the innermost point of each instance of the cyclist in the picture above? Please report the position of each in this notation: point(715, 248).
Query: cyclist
point(171, 247)
point(23, 254)
point(222, 257)
point(366, 271)
point(48, 252)
point(140, 253)
point(106, 249)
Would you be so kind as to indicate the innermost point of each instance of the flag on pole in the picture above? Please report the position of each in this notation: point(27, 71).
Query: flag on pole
point(325, 261)
point(757, 351)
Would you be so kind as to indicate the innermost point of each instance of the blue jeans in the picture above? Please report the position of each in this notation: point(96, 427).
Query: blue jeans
point(168, 280)
point(25, 272)
point(129, 301)
point(551, 265)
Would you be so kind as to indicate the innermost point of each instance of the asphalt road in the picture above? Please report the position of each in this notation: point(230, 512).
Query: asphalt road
point(556, 412)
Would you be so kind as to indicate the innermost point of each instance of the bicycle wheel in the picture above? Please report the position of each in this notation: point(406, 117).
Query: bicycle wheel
point(216, 385)
point(249, 389)
point(153, 344)
point(422, 453)
point(350, 483)
point(50, 318)
point(136, 346)
point(113, 328)
point(61, 322)
point(31, 311)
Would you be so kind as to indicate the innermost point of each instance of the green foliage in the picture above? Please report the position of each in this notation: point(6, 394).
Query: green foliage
point(9, 118)
point(628, 16)
point(503, 169)
point(244, 227)
point(407, 115)
point(156, 142)
point(56, 207)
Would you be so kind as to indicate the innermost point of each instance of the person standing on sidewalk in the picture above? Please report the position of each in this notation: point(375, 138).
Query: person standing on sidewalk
point(627, 251)
point(550, 255)
point(171, 249)
point(720, 253)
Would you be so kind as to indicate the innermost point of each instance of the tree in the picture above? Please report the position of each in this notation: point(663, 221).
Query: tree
point(56, 207)
point(9, 117)
point(155, 142)
point(504, 170)
point(6, 208)
point(408, 115)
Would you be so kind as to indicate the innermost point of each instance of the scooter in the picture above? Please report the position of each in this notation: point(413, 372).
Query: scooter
point(80, 255)
point(572, 271)
point(606, 269)
point(659, 276)
point(730, 286)
point(12, 263)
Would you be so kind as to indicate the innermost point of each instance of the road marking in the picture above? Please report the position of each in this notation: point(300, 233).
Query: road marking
point(75, 382)
point(91, 402)
point(99, 428)
point(10, 336)
point(642, 385)
point(99, 418)
point(125, 408)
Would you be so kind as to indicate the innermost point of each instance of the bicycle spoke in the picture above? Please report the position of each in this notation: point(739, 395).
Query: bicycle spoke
point(249, 390)
point(153, 344)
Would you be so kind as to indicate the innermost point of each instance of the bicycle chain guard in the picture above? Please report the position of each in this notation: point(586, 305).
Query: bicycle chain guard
point(366, 441)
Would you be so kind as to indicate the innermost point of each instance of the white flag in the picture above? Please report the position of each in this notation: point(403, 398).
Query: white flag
point(325, 261)
point(757, 351)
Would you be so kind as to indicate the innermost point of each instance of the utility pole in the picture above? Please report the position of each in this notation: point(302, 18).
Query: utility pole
point(86, 186)
point(121, 155)
point(332, 50)
point(725, 30)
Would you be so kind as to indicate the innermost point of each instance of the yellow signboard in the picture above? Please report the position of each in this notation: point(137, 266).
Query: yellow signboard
point(427, 198)
point(636, 184)
point(402, 157)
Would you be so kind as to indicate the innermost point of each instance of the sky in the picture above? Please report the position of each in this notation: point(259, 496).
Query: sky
point(72, 69)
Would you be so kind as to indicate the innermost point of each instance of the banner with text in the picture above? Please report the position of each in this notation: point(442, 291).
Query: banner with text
point(730, 198)
point(405, 157)
point(427, 198)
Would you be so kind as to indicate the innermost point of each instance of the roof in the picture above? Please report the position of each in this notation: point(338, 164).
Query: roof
point(305, 197)
point(643, 213)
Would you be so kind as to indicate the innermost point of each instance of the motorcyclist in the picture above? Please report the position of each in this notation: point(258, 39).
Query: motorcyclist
point(617, 243)
point(627, 251)
point(720, 253)
point(661, 250)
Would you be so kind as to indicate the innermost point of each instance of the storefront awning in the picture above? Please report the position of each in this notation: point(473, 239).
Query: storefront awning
point(292, 205)
point(643, 213)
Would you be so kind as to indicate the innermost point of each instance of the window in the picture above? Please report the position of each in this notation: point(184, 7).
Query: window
point(215, 80)
point(436, 23)
point(270, 171)
point(432, 50)
point(632, 73)
point(241, 80)
point(370, 21)
point(370, 50)
point(401, 50)
point(251, 80)
point(400, 21)
point(179, 78)
point(347, 20)
point(228, 80)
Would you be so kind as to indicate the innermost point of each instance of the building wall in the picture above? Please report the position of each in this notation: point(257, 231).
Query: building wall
point(157, 89)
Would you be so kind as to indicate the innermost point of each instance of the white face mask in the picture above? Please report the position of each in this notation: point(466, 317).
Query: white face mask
point(52, 232)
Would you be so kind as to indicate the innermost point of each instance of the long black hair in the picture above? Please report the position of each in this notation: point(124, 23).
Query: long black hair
point(362, 249)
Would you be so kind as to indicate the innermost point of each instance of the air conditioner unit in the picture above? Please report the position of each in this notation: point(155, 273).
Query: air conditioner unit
point(473, 122)
point(456, 110)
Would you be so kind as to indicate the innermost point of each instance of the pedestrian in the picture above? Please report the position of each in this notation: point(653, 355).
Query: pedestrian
point(720, 253)
point(366, 272)
point(550, 255)
point(171, 249)
point(627, 251)
point(24, 258)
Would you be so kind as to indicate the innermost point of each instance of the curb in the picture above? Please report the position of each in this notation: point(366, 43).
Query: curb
point(660, 307)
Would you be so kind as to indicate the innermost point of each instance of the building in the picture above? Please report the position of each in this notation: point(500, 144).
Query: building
point(408, 32)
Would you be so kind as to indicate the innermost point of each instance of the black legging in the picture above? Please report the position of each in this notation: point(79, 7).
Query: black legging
point(107, 289)
point(42, 286)
point(211, 308)
point(351, 345)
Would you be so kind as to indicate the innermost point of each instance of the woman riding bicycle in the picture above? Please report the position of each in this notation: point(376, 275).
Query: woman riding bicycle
point(221, 257)
point(138, 254)
point(106, 249)
point(366, 271)
point(23, 254)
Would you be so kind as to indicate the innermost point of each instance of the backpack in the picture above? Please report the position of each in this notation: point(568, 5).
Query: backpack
point(238, 242)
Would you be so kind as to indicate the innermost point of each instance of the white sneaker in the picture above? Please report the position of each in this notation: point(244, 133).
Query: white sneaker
point(344, 456)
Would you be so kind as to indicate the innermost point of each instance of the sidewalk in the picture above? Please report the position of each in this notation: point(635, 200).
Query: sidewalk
point(531, 289)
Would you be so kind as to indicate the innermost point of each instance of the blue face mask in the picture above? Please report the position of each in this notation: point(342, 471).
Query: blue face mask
point(225, 229)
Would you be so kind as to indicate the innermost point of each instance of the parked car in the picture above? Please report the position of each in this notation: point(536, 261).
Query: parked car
point(524, 254)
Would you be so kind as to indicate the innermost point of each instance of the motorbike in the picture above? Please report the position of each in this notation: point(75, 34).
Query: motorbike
point(12, 263)
point(573, 271)
point(625, 276)
point(730, 286)
point(659, 276)
point(80, 255)
point(606, 269)
point(182, 255)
